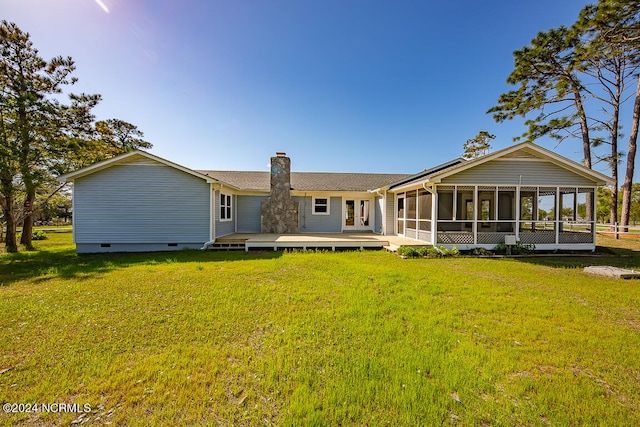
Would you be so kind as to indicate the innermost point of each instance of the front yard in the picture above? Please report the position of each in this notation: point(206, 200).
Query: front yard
point(351, 339)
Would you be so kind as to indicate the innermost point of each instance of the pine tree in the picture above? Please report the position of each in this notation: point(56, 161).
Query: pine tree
point(478, 146)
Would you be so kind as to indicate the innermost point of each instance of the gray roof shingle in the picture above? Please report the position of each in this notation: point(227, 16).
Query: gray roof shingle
point(307, 181)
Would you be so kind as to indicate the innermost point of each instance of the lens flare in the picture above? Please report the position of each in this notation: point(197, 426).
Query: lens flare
point(102, 6)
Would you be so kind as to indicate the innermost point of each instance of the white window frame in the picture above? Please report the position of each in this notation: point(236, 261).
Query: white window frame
point(328, 205)
point(226, 206)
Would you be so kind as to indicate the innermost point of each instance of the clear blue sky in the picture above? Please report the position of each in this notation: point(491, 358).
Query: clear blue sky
point(351, 85)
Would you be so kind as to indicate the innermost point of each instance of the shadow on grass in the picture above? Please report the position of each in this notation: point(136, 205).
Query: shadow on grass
point(604, 255)
point(44, 265)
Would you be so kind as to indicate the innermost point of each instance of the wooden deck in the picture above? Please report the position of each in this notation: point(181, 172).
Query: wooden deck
point(330, 241)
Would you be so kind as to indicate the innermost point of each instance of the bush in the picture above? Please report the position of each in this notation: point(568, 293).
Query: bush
point(407, 251)
point(37, 235)
point(481, 252)
point(423, 251)
point(518, 249)
point(428, 252)
point(444, 252)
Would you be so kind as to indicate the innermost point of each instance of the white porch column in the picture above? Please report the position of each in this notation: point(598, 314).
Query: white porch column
point(518, 213)
point(558, 214)
point(474, 228)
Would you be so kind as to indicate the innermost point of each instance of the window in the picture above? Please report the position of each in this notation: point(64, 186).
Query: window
point(321, 206)
point(225, 207)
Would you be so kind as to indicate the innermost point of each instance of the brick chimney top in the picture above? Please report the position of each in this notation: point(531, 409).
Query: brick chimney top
point(281, 154)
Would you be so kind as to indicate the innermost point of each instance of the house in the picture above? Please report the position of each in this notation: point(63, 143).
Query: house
point(141, 202)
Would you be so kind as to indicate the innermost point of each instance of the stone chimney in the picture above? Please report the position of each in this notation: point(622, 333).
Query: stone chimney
point(279, 213)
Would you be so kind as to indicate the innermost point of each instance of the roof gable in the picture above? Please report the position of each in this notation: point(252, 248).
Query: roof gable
point(524, 152)
point(527, 151)
point(131, 158)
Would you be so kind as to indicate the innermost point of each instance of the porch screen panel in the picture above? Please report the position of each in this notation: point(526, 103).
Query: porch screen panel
point(506, 210)
point(567, 204)
point(465, 203)
point(411, 201)
point(424, 210)
point(547, 204)
point(528, 204)
point(400, 213)
point(573, 226)
point(585, 199)
point(445, 205)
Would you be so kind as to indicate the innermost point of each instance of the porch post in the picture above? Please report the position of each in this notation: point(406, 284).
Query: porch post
point(434, 219)
point(475, 215)
point(558, 214)
point(518, 206)
point(594, 218)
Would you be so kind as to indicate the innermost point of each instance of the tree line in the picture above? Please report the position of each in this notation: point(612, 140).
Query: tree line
point(571, 84)
point(42, 134)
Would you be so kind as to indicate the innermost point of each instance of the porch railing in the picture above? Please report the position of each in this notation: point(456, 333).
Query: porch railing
point(462, 232)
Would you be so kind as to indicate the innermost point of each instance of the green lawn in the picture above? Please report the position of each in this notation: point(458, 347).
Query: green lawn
point(351, 339)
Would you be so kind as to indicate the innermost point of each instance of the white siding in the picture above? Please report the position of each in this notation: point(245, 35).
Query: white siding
point(249, 213)
point(309, 223)
point(390, 215)
point(141, 203)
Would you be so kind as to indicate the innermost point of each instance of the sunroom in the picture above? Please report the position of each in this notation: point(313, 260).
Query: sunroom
point(524, 191)
point(469, 216)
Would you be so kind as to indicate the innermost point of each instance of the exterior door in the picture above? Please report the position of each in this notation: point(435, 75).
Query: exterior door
point(357, 214)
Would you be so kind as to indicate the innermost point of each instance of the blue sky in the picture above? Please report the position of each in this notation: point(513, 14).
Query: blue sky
point(344, 86)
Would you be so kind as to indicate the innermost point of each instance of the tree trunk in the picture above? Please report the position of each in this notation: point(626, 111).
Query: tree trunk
point(586, 150)
point(11, 243)
point(631, 159)
point(27, 226)
point(613, 207)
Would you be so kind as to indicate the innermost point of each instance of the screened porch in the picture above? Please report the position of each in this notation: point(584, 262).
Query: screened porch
point(474, 216)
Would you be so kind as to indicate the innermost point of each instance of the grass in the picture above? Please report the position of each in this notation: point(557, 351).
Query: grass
point(351, 338)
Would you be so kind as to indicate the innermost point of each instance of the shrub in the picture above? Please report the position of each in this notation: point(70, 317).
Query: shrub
point(518, 249)
point(481, 252)
point(423, 251)
point(39, 235)
point(444, 252)
point(429, 252)
point(407, 251)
